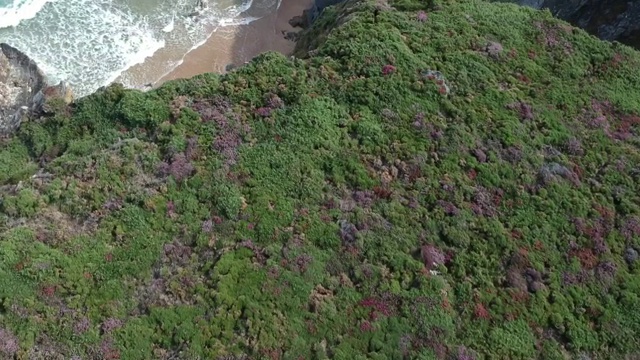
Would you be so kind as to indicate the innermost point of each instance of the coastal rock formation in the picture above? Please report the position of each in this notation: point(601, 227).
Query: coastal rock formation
point(613, 20)
point(20, 79)
point(23, 89)
point(316, 9)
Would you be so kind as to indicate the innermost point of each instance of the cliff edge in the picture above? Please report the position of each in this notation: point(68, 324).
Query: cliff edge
point(23, 89)
point(612, 20)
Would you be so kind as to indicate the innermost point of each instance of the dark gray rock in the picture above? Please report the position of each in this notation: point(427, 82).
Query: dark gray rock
point(516, 280)
point(291, 36)
point(630, 255)
point(536, 286)
point(20, 80)
point(319, 5)
point(612, 20)
point(536, 4)
point(23, 89)
point(299, 21)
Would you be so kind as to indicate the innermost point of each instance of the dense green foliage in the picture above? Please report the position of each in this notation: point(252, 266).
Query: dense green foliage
point(461, 183)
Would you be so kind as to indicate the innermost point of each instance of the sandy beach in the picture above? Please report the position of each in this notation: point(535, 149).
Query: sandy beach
point(227, 45)
point(238, 44)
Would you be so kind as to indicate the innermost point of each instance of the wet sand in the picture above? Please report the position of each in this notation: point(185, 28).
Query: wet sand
point(238, 44)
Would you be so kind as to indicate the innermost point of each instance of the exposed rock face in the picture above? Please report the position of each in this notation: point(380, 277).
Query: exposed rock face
point(23, 89)
point(316, 9)
point(608, 19)
point(20, 79)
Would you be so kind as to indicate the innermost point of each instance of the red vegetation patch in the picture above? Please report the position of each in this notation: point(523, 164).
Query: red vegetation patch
point(382, 193)
point(516, 234)
point(19, 266)
point(446, 304)
point(624, 126)
point(586, 257)
point(273, 354)
point(108, 351)
point(606, 213)
point(414, 173)
point(48, 290)
point(480, 312)
point(612, 64)
point(615, 123)
point(378, 307)
point(519, 296)
point(217, 220)
point(523, 78)
point(366, 326)
point(388, 69)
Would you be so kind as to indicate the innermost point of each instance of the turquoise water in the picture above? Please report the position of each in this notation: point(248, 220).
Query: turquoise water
point(90, 42)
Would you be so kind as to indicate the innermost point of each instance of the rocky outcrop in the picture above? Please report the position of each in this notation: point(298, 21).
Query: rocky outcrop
point(24, 90)
point(613, 20)
point(317, 7)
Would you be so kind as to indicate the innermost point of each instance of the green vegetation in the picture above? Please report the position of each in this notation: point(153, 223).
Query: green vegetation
point(461, 183)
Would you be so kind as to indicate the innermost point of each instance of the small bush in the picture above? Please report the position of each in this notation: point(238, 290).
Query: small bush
point(140, 110)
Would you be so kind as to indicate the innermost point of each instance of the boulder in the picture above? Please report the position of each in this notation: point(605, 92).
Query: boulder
point(299, 21)
point(40, 104)
point(24, 90)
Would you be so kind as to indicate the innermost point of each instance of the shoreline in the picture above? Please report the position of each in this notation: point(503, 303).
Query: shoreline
point(235, 45)
point(226, 46)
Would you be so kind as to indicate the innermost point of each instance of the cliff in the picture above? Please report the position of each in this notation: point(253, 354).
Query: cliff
point(318, 6)
point(616, 20)
point(23, 89)
point(454, 181)
point(20, 79)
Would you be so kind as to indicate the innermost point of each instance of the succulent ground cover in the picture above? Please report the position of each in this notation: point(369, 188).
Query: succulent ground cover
point(448, 180)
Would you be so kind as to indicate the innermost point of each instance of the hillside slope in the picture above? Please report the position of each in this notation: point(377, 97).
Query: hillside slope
point(458, 182)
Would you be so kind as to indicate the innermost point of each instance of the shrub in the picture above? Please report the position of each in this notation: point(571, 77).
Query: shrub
point(141, 110)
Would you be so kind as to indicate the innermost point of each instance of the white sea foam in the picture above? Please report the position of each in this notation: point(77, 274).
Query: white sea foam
point(169, 28)
point(200, 28)
point(89, 43)
point(223, 22)
point(19, 10)
point(86, 42)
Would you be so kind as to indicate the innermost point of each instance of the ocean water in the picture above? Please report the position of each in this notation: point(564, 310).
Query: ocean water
point(89, 43)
